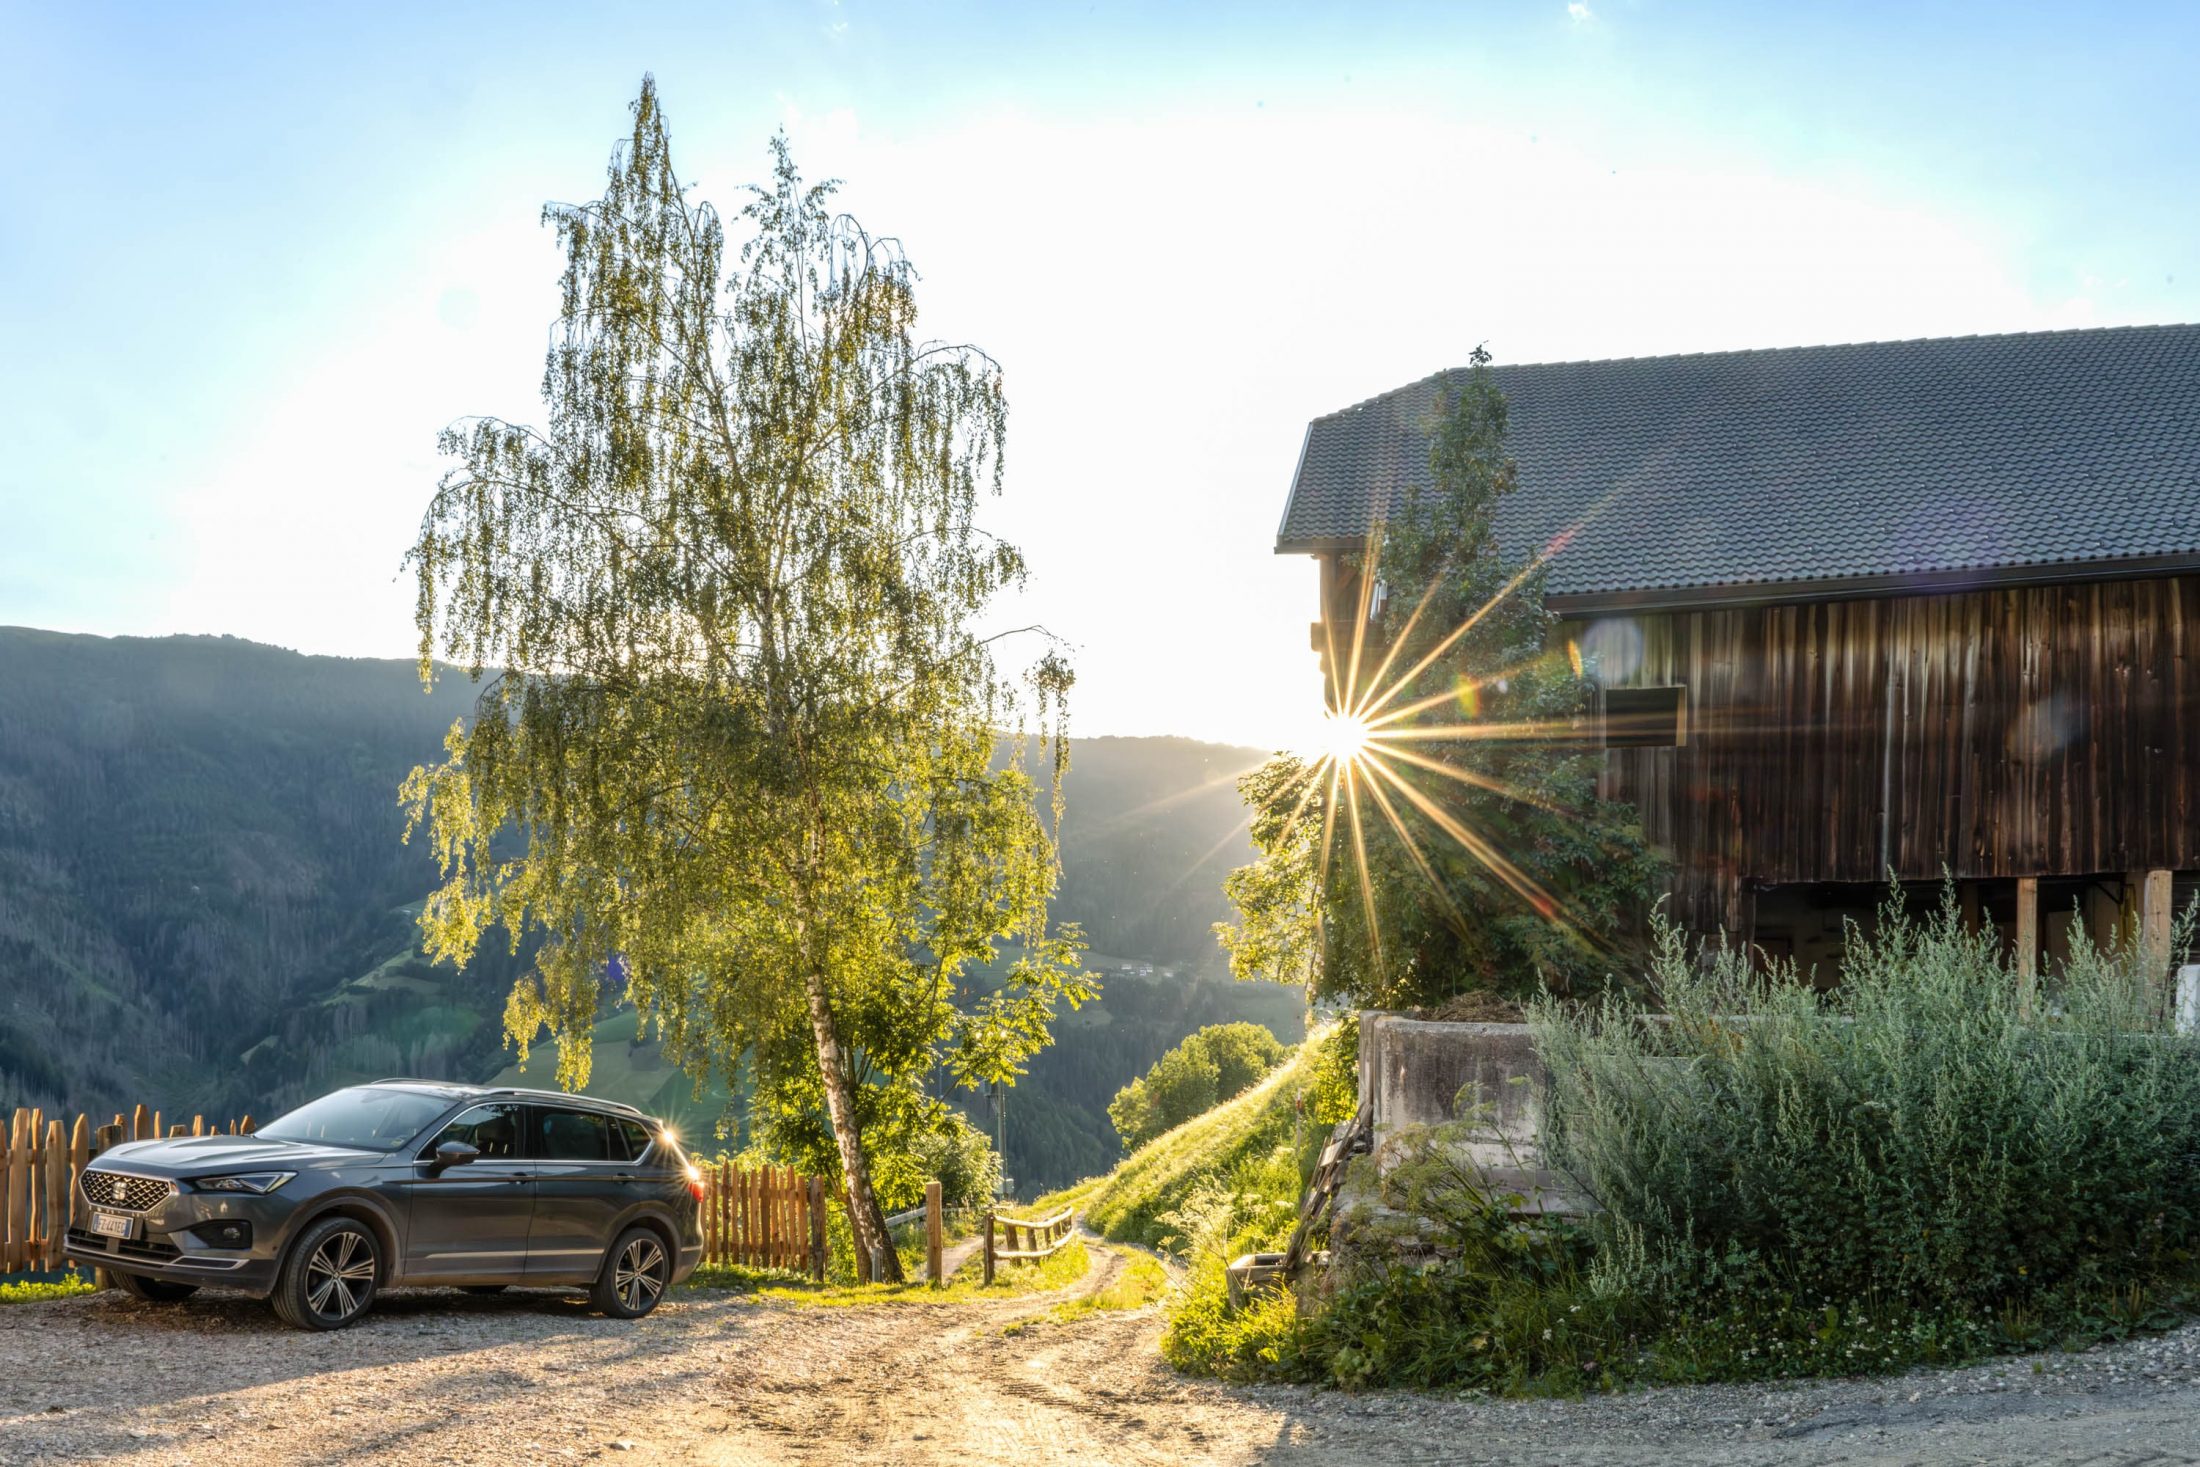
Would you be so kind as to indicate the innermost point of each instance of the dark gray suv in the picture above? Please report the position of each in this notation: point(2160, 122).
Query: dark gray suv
point(401, 1182)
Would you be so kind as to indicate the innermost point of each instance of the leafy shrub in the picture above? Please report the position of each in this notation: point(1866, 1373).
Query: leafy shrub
point(961, 1158)
point(31, 1291)
point(1166, 1174)
point(1912, 1136)
point(1210, 1066)
point(1924, 1166)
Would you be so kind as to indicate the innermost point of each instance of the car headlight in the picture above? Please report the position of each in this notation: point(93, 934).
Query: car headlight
point(261, 1182)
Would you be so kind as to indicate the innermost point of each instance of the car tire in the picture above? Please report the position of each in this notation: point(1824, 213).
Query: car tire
point(329, 1275)
point(483, 1288)
point(635, 1275)
point(151, 1290)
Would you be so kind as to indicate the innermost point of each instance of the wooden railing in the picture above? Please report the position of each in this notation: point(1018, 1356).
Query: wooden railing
point(1012, 1240)
point(768, 1218)
point(39, 1199)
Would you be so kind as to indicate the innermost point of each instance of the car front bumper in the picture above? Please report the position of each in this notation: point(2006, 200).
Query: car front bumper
point(165, 1248)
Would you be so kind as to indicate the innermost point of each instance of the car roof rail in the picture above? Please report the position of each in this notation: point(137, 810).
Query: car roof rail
point(559, 1096)
point(562, 1098)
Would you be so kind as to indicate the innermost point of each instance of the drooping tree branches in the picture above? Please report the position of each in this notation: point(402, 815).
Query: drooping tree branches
point(743, 750)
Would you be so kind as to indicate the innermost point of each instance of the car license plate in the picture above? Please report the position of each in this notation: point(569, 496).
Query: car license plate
point(113, 1224)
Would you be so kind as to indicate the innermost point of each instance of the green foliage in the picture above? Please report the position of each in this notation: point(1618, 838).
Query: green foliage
point(1205, 1336)
point(1524, 876)
point(1241, 1053)
point(32, 1291)
point(1912, 1136)
point(1212, 1065)
point(1277, 935)
point(744, 732)
point(958, 1155)
point(1914, 1169)
point(1164, 1193)
point(1333, 1091)
point(1058, 1129)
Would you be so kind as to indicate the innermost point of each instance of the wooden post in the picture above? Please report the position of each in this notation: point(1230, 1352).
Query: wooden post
point(106, 1138)
point(80, 1152)
point(2154, 928)
point(141, 1124)
point(244, 1127)
point(55, 1190)
point(19, 1191)
point(2027, 942)
point(933, 1234)
point(989, 1247)
point(817, 1228)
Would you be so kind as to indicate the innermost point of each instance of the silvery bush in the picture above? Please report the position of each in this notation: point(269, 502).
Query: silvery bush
point(1923, 1133)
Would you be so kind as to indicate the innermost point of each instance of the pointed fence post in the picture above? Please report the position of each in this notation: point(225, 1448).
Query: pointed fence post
point(933, 1234)
point(989, 1247)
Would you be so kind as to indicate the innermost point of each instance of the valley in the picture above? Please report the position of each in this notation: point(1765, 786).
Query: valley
point(206, 901)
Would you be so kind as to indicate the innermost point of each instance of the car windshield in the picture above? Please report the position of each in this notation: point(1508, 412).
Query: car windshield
point(364, 1119)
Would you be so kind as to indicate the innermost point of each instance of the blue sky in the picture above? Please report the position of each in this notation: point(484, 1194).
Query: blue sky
point(251, 258)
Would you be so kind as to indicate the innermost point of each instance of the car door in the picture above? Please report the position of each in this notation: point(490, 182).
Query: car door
point(581, 1188)
point(471, 1221)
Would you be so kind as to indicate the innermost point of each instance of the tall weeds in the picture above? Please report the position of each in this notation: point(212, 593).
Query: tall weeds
point(1925, 1135)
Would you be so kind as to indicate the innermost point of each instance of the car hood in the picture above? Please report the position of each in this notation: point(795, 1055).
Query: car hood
point(199, 1156)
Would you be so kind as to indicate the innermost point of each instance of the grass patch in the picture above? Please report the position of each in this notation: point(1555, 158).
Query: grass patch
point(1059, 1270)
point(1139, 1201)
point(1142, 1282)
point(31, 1291)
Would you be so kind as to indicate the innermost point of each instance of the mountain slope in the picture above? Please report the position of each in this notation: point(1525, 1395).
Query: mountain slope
point(205, 903)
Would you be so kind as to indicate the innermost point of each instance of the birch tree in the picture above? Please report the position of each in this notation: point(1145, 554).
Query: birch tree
point(736, 744)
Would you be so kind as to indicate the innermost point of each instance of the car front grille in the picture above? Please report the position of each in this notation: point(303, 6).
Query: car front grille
point(121, 1192)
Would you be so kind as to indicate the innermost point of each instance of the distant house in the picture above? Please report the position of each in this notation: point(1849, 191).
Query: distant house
point(1897, 605)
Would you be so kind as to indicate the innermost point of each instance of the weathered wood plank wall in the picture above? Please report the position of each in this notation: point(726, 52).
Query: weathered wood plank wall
point(2030, 731)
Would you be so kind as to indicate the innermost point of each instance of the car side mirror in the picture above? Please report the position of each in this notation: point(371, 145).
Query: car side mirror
point(453, 1153)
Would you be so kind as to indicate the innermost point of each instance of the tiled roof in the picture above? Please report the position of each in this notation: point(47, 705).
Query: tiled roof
point(1784, 472)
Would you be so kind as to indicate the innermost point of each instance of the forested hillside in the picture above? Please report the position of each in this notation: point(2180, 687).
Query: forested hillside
point(205, 904)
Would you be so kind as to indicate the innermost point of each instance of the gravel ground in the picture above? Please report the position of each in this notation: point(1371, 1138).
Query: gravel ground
point(437, 1377)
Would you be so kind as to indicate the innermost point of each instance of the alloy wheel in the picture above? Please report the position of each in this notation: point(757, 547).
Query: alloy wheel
point(340, 1275)
point(639, 1278)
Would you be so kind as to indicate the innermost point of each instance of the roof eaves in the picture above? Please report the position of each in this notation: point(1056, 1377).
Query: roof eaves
point(1721, 595)
point(1298, 475)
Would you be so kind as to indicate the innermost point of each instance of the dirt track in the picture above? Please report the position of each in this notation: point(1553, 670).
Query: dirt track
point(443, 1378)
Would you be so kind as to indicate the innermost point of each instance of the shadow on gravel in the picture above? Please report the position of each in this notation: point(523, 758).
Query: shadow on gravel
point(151, 1354)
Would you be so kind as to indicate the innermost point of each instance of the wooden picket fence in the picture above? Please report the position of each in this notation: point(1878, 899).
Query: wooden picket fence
point(772, 1217)
point(40, 1167)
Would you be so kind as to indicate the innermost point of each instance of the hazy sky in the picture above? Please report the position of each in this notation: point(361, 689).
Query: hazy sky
point(252, 258)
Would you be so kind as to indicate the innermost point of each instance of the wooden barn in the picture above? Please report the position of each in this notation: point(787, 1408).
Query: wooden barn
point(1895, 606)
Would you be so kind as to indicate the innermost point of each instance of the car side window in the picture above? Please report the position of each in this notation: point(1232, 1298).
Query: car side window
point(492, 1130)
point(628, 1140)
point(572, 1135)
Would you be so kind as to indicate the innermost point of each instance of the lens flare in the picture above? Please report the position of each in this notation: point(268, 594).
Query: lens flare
point(1345, 737)
point(1367, 744)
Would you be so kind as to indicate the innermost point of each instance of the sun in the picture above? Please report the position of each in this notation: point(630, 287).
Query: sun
point(1344, 737)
